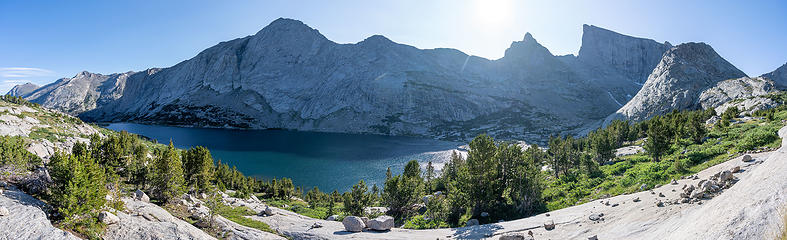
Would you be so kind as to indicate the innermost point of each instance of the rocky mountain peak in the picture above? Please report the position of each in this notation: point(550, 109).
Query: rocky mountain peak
point(632, 57)
point(377, 40)
point(528, 48)
point(676, 83)
point(22, 89)
point(288, 29)
point(779, 76)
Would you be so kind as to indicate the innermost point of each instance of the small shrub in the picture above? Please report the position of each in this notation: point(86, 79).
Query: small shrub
point(422, 222)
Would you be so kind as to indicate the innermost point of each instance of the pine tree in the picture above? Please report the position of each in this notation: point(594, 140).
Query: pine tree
point(357, 199)
point(198, 167)
point(659, 137)
point(78, 184)
point(168, 173)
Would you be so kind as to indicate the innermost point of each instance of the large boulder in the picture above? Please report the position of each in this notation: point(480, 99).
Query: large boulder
point(108, 218)
point(353, 224)
point(381, 223)
point(139, 195)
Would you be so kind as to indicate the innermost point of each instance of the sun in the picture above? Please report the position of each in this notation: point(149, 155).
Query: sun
point(492, 11)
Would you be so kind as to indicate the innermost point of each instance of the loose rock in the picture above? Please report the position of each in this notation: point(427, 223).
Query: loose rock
point(594, 237)
point(471, 222)
point(512, 236)
point(484, 214)
point(747, 158)
point(332, 218)
point(549, 225)
point(735, 169)
point(725, 176)
point(381, 223)
point(141, 196)
point(269, 211)
point(596, 216)
point(4, 211)
point(353, 224)
point(108, 218)
point(317, 225)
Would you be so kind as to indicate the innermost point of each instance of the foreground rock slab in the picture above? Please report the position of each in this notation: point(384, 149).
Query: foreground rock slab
point(25, 219)
point(142, 220)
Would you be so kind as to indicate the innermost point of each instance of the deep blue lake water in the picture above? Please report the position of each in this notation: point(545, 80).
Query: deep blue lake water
point(326, 160)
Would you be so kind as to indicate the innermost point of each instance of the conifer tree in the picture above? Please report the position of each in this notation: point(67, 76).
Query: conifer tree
point(78, 184)
point(198, 167)
point(168, 173)
point(659, 137)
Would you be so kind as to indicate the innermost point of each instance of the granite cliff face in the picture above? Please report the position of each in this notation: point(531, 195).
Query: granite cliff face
point(83, 92)
point(683, 73)
point(290, 76)
point(22, 89)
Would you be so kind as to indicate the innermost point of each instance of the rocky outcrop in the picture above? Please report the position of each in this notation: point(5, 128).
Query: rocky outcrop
point(683, 73)
point(779, 76)
point(142, 220)
point(733, 89)
point(22, 89)
point(236, 231)
point(26, 219)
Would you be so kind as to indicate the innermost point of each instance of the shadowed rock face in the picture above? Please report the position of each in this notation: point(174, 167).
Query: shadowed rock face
point(290, 76)
point(677, 82)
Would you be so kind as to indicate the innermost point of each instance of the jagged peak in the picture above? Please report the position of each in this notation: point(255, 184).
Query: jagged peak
point(528, 37)
point(377, 39)
point(525, 48)
point(288, 26)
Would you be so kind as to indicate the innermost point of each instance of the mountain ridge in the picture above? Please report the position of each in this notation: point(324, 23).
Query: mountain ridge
point(290, 76)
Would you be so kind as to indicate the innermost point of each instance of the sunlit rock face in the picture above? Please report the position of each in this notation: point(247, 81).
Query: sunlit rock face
point(679, 80)
point(290, 76)
point(22, 89)
point(83, 92)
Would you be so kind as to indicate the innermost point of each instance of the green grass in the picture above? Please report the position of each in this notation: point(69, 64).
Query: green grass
point(303, 208)
point(684, 158)
point(237, 215)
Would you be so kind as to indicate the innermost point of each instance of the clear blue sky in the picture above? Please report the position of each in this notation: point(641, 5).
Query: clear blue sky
point(41, 41)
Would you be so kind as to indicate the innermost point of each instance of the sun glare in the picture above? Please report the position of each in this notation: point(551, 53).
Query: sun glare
point(492, 11)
